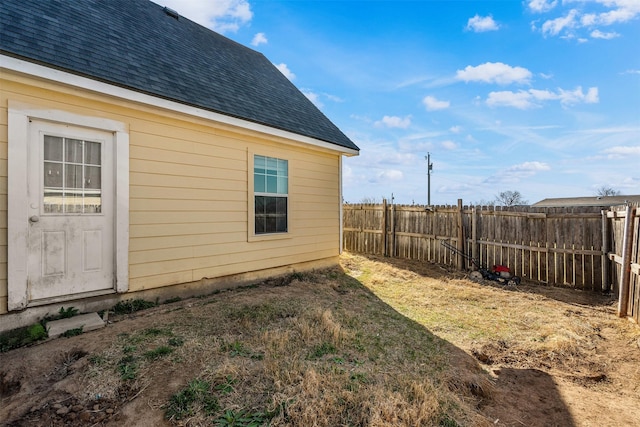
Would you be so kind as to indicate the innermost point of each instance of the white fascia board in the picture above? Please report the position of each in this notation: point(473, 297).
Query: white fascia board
point(35, 70)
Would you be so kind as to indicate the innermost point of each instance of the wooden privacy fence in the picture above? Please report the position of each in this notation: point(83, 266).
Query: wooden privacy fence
point(581, 247)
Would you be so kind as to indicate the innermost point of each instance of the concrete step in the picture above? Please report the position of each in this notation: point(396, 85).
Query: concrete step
point(88, 322)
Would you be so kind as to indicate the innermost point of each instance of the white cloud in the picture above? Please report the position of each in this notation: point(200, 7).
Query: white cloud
point(220, 15)
point(622, 151)
point(521, 100)
point(530, 167)
point(414, 146)
point(449, 145)
point(394, 122)
point(622, 11)
point(616, 12)
point(258, 39)
point(532, 98)
point(313, 97)
point(391, 175)
point(481, 24)
point(632, 183)
point(597, 34)
point(455, 129)
point(570, 97)
point(518, 172)
point(554, 26)
point(284, 69)
point(632, 72)
point(541, 6)
point(395, 158)
point(433, 104)
point(494, 72)
point(333, 98)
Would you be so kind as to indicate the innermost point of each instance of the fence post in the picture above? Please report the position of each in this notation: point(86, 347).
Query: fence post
point(384, 227)
point(474, 236)
point(393, 230)
point(461, 251)
point(625, 278)
point(606, 248)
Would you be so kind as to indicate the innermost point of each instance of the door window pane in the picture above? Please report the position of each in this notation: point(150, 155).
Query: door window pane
point(72, 182)
point(73, 150)
point(53, 201)
point(53, 148)
point(72, 202)
point(92, 177)
point(52, 175)
point(73, 176)
point(92, 153)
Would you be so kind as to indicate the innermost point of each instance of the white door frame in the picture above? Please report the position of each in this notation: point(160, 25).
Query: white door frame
point(17, 211)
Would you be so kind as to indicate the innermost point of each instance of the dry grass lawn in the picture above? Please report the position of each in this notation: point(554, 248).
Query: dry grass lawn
point(378, 342)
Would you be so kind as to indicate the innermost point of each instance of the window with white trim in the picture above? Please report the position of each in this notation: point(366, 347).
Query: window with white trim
point(271, 194)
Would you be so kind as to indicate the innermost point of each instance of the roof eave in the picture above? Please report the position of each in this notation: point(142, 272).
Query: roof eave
point(55, 75)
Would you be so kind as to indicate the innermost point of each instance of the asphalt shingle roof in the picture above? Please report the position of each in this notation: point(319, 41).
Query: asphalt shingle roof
point(136, 45)
point(587, 201)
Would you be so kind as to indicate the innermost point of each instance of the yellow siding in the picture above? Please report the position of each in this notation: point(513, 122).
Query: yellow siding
point(189, 190)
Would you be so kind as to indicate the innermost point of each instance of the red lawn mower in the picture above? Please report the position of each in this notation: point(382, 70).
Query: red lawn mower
point(498, 273)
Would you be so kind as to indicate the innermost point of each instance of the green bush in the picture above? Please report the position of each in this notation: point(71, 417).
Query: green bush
point(132, 305)
point(22, 336)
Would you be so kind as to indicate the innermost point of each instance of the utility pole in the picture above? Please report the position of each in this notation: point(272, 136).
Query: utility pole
point(429, 169)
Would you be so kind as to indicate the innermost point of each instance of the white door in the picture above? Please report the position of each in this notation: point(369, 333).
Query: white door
point(71, 214)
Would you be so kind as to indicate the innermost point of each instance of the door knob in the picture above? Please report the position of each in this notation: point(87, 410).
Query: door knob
point(34, 218)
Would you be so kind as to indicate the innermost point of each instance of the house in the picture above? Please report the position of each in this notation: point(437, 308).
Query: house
point(145, 156)
point(594, 201)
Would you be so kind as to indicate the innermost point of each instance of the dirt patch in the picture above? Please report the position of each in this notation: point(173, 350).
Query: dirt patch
point(384, 342)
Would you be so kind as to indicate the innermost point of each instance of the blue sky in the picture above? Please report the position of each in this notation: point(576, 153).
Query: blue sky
point(536, 96)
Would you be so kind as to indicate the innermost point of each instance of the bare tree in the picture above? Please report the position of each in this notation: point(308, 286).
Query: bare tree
point(510, 198)
point(605, 191)
point(368, 201)
point(483, 202)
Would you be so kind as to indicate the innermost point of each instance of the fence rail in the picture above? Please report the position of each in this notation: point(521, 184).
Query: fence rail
point(586, 247)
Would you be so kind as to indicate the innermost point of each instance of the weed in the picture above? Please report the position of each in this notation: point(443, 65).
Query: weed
point(186, 402)
point(36, 332)
point(155, 332)
point(176, 342)
point(22, 336)
point(359, 377)
point(67, 313)
point(127, 368)
point(322, 350)
point(72, 332)
point(158, 353)
point(242, 418)
point(131, 306)
point(128, 349)
point(296, 276)
point(263, 313)
point(237, 348)
point(97, 360)
point(227, 386)
point(447, 421)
